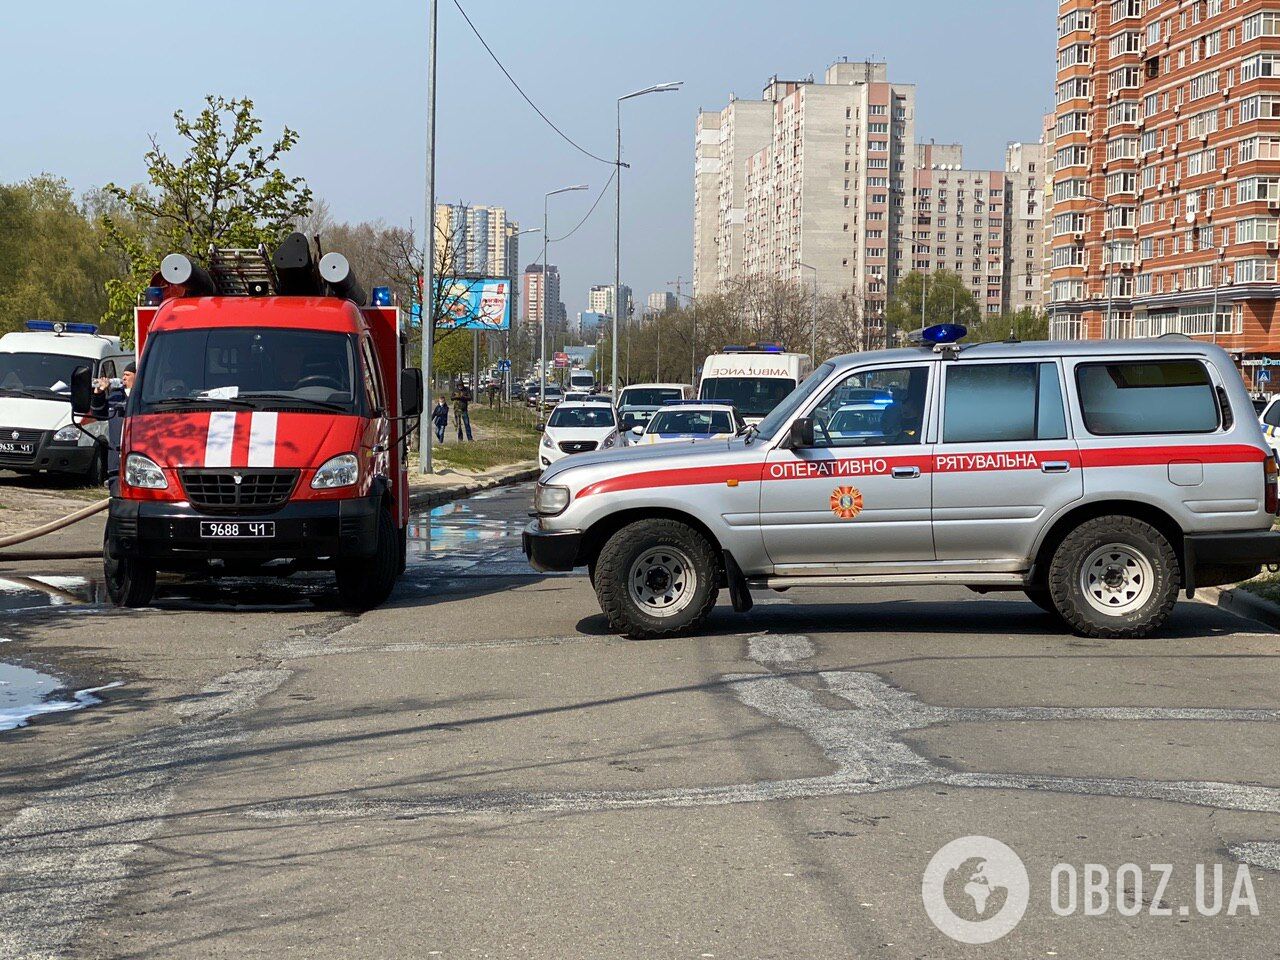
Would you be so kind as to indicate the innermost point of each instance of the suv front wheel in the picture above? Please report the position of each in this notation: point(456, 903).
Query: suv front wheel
point(1114, 577)
point(656, 578)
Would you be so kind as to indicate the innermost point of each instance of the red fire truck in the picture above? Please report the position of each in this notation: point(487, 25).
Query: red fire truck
point(267, 428)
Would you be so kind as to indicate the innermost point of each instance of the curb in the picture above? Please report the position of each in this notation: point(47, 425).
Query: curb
point(1243, 604)
point(502, 478)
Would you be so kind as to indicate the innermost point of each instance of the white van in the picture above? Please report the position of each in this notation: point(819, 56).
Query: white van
point(582, 380)
point(36, 433)
point(637, 403)
point(755, 379)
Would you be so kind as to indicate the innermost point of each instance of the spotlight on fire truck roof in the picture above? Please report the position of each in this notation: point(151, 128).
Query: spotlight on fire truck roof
point(336, 271)
point(57, 326)
point(178, 271)
point(943, 333)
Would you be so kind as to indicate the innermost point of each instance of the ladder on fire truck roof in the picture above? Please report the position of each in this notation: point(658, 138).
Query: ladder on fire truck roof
point(242, 272)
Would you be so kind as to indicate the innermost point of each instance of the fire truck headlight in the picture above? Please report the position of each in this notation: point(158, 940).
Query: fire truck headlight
point(139, 471)
point(550, 500)
point(339, 471)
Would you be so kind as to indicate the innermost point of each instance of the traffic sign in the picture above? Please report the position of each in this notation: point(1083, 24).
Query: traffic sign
point(504, 366)
point(1264, 376)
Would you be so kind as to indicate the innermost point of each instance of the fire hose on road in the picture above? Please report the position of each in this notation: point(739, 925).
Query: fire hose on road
point(44, 530)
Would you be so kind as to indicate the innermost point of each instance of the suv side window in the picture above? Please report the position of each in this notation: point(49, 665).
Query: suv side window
point(874, 408)
point(1135, 398)
point(998, 402)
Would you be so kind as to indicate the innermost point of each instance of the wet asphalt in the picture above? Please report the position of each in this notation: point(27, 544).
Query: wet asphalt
point(481, 769)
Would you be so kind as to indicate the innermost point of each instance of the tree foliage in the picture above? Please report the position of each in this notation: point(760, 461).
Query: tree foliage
point(946, 300)
point(52, 266)
point(226, 188)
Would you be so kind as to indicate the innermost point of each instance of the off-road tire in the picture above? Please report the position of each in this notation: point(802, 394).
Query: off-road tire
point(130, 582)
point(614, 566)
point(1066, 574)
point(366, 582)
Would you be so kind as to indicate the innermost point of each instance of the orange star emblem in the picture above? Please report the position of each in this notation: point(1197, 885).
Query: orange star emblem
point(846, 502)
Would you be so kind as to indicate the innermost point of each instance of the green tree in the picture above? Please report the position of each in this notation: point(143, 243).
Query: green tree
point(946, 300)
point(226, 189)
point(1025, 325)
point(52, 266)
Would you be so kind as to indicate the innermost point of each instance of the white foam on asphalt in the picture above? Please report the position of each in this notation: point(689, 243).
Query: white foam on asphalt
point(779, 648)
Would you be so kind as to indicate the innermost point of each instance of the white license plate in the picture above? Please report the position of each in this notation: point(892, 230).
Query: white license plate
point(237, 529)
point(23, 448)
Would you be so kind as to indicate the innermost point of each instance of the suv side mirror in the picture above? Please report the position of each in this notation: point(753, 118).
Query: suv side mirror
point(81, 391)
point(410, 392)
point(801, 437)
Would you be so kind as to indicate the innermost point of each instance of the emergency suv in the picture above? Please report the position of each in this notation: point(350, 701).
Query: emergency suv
point(1099, 478)
point(36, 366)
point(267, 427)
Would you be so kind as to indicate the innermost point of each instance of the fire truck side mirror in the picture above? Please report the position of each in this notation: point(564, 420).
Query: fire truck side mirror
point(801, 437)
point(410, 392)
point(81, 390)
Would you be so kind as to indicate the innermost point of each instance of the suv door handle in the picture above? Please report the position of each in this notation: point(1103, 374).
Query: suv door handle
point(906, 473)
point(1055, 466)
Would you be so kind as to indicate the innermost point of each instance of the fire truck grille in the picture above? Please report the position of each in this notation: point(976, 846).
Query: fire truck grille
point(238, 491)
point(578, 446)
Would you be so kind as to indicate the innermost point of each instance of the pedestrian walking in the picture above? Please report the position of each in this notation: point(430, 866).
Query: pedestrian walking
point(461, 410)
point(440, 417)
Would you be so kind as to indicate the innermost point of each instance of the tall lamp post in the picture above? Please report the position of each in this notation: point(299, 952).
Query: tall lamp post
point(617, 212)
point(1107, 278)
point(542, 325)
point(427, 296)
point(813, 319)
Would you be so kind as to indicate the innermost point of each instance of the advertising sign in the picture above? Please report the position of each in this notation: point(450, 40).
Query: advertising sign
point(474, 303)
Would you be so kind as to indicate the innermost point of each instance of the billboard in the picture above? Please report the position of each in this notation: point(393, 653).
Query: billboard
point(474, 303)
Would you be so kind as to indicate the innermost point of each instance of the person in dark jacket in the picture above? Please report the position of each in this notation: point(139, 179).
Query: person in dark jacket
point(461, 410)
point(108, 404)
point(440, 418)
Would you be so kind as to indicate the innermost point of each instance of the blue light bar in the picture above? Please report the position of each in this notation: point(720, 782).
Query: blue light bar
point(42, 326)
point(81, 327)
point(943, 333)
point(382, 296)
point(153, 296)
point(57, 326)
point(698, 403)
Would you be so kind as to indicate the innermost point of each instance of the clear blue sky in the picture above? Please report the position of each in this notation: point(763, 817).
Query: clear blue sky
point(85, 81)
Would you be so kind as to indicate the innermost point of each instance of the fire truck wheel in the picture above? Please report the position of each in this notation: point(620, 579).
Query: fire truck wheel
point(1114, 577)
point(367, 582)
point(130, 582)
point(656, 578)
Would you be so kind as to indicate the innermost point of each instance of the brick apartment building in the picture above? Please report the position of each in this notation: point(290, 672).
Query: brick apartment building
point(1166, 167)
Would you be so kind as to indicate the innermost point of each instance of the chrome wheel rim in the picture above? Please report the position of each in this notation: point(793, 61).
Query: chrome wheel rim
point(662, 581)
point(1117, 579)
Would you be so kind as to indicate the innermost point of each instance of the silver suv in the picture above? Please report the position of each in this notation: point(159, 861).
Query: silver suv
point(1099, 478)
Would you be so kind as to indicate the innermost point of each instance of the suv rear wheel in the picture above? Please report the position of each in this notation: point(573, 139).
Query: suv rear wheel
point(656, 578)
point(1114, 577)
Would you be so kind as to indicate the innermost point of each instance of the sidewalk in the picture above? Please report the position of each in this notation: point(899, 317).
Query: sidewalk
point(450, 484)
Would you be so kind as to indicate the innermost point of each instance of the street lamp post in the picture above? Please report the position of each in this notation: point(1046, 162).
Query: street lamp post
point(617, 212)
point(813, 319)
point(426, 296)
point(542, 325)
point(1107, 278)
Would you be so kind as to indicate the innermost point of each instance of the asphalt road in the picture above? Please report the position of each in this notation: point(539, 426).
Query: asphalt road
point(480, 769)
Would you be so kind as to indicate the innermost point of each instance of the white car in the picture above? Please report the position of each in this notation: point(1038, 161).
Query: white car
point(1270, 420)
point(688, 421)
point(577, 427)
point(36, 432)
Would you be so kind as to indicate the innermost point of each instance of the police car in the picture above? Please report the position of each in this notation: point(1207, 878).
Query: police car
point(688, 420)
point(36, 432)
point(1269, 417)
point(1098, 478)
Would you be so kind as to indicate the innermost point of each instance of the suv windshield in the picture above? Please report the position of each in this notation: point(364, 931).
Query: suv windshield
point(598, 416)
point(261, 369)
point(648, 396)
point(753, 396)
point(47, 375)
point(692, 422)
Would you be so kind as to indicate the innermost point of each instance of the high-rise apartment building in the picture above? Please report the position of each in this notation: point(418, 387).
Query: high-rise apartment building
point(533, 298)
point(660, 302)
point(960, 222)
point(813, 173)
point(1166, 203)
point(483, 241)
point(600, 300)
point(1024, 219)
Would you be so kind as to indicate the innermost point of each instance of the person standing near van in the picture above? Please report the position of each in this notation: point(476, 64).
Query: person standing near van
point(461, 409)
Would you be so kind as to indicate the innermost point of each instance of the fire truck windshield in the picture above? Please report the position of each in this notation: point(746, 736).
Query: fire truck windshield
point(253, 368)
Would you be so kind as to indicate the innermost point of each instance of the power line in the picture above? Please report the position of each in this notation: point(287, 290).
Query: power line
point(564, 136)
point(599, 197)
